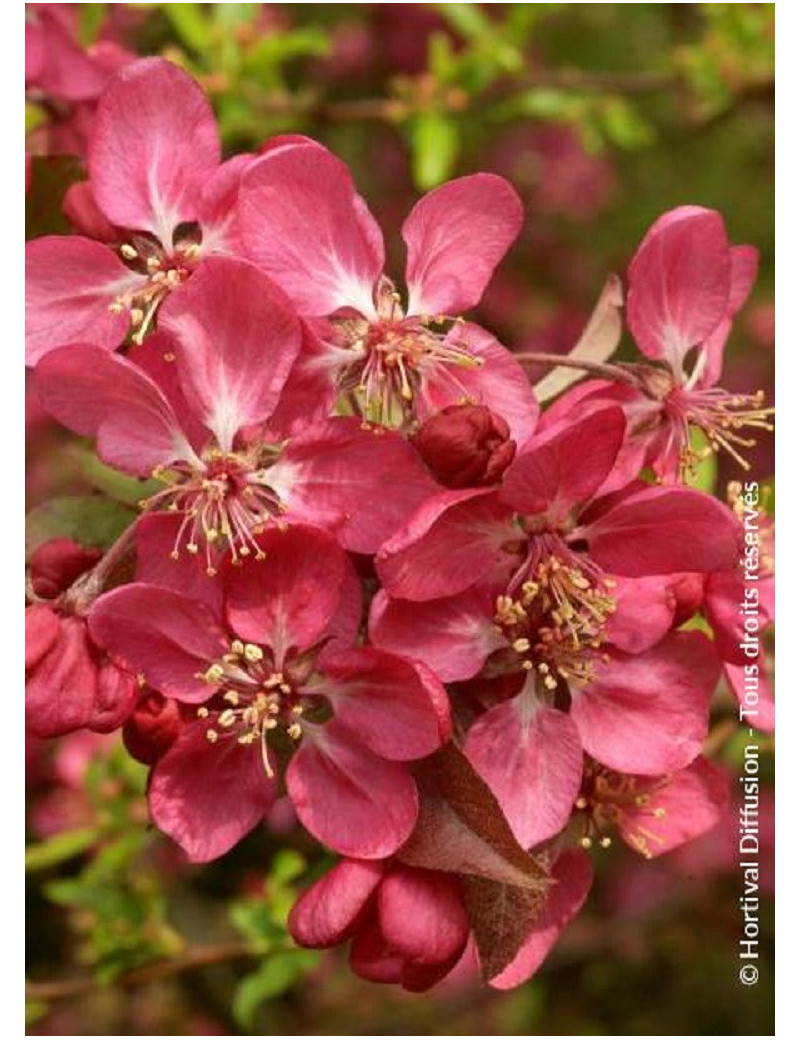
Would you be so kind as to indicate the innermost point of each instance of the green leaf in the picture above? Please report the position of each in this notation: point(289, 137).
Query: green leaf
point(434, 149)
point(274, 977)
point(91, 18)
point(467, 19)
point(191, 24)
point(704, 475)
point(34, 1009)
point(119, 486)
point(60, 847)
point(90, 520)
point(624, 125)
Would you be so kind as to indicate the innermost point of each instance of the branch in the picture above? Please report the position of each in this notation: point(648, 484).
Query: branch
point(194, 957)
point(87, 588)
point(598, 368)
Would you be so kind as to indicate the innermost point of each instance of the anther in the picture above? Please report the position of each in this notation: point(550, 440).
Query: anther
point(128, 251)
point(253, 653)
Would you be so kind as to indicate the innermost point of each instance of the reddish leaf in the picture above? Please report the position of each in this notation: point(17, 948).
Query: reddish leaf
point(502, 918)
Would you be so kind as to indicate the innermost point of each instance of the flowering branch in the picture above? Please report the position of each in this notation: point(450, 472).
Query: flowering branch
point(598, 368)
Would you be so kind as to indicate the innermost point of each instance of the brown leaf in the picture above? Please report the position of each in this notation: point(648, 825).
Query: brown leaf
point(598, 341)
point(461, 827)
point(502, 919)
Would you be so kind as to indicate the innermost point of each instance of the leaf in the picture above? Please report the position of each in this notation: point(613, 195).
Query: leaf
point(461, 827)
point(597, 342)
point(274, 977)
point(502, 919)
point(59, 847)
point(434, 149)
point(191, 25)
point(91, 520)
point(119, 486)
point(704, 475)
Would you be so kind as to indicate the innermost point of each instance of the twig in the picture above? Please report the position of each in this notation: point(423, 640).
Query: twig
point(194, 957)
point(596, 367)
point(88, 587)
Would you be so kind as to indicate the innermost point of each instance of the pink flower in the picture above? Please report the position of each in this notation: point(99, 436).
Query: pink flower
point(303, 223)
point(70, 683)
point(654, 815)
point(410, 926)
point(157, 201)
point(276, 675)
point(686, 284)
point(190, 405)
point(541, 582)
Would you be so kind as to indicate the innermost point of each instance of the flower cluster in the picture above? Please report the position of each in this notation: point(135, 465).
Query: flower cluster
point(468, 638)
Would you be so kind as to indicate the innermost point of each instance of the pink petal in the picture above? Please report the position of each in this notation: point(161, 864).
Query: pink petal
point(397, 708)
point(158, 633)
point(156, 538)
point(309, 394)
point(573, 874)
point(456, 235)
point(60, 687)
point(644, 613)
point(348, 798)
point(289, 599)
point(41, 632)
point(70, 283)
point(66, 72)
point(302, 222)
point(531, 757)
point(238, 337)
point(679, 283)
point(686, 805)
point(499, 382)
point(452, 542)
point(327, 913)
point(648, 713)
point(83, 212)
point(153, 145)
point(206, 796)
point(744, 268)
point(217, 207)
point(106, 396)
point(662, 530)
point(564, 466)
point(453, 636)
point(335, 477)
point(421, 915)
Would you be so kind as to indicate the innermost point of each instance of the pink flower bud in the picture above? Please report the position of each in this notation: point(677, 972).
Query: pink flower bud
point(465, 445)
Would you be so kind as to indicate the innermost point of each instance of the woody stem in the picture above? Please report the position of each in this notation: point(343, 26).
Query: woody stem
point(597, 368)
point(89, 586)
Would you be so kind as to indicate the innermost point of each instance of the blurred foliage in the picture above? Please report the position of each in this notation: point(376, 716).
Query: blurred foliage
point(603, 116)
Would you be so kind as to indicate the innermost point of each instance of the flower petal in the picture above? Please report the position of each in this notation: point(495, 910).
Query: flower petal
point(303, 223)
point(153, 145)
point(456, 235)
point(238, 337)
point(563, 467)
point(452, 542)
point(453, 636)
point(161, 634)
point(648, 713)
point(421, 915)
point(327, 913)
point(334, 475)
point(106, 396)
point(348, 798)
point(531, 757)
point(70, 284)
point(397, 708)
point(679, 283)
point(206, 796)
point(291, 597)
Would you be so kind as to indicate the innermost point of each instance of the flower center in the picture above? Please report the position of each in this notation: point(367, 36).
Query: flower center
point(721, 416)
point(609, 799)
point(554, 618)
point(224, 505)
point(261, 700)
point(383, 366)
point(164, 269)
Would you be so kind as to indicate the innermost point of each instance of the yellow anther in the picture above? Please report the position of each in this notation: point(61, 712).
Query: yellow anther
point(227, 718)
point(214, 673)
point(581, 803)
point(116, 307)
point(137, 316)
point(231, 697)
point(273, 680)
point(295, 731)
point(586, 842)
point(237, 646)
point(128, 251)
point(212, 736)
point(193, 548)
point(202, 713)
point(659, 813)
point(605, 842)
point(253, 653)
point(270, 723)
point(521, 645)
point(297, 709)
point(247, 738)
point(153, 263)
